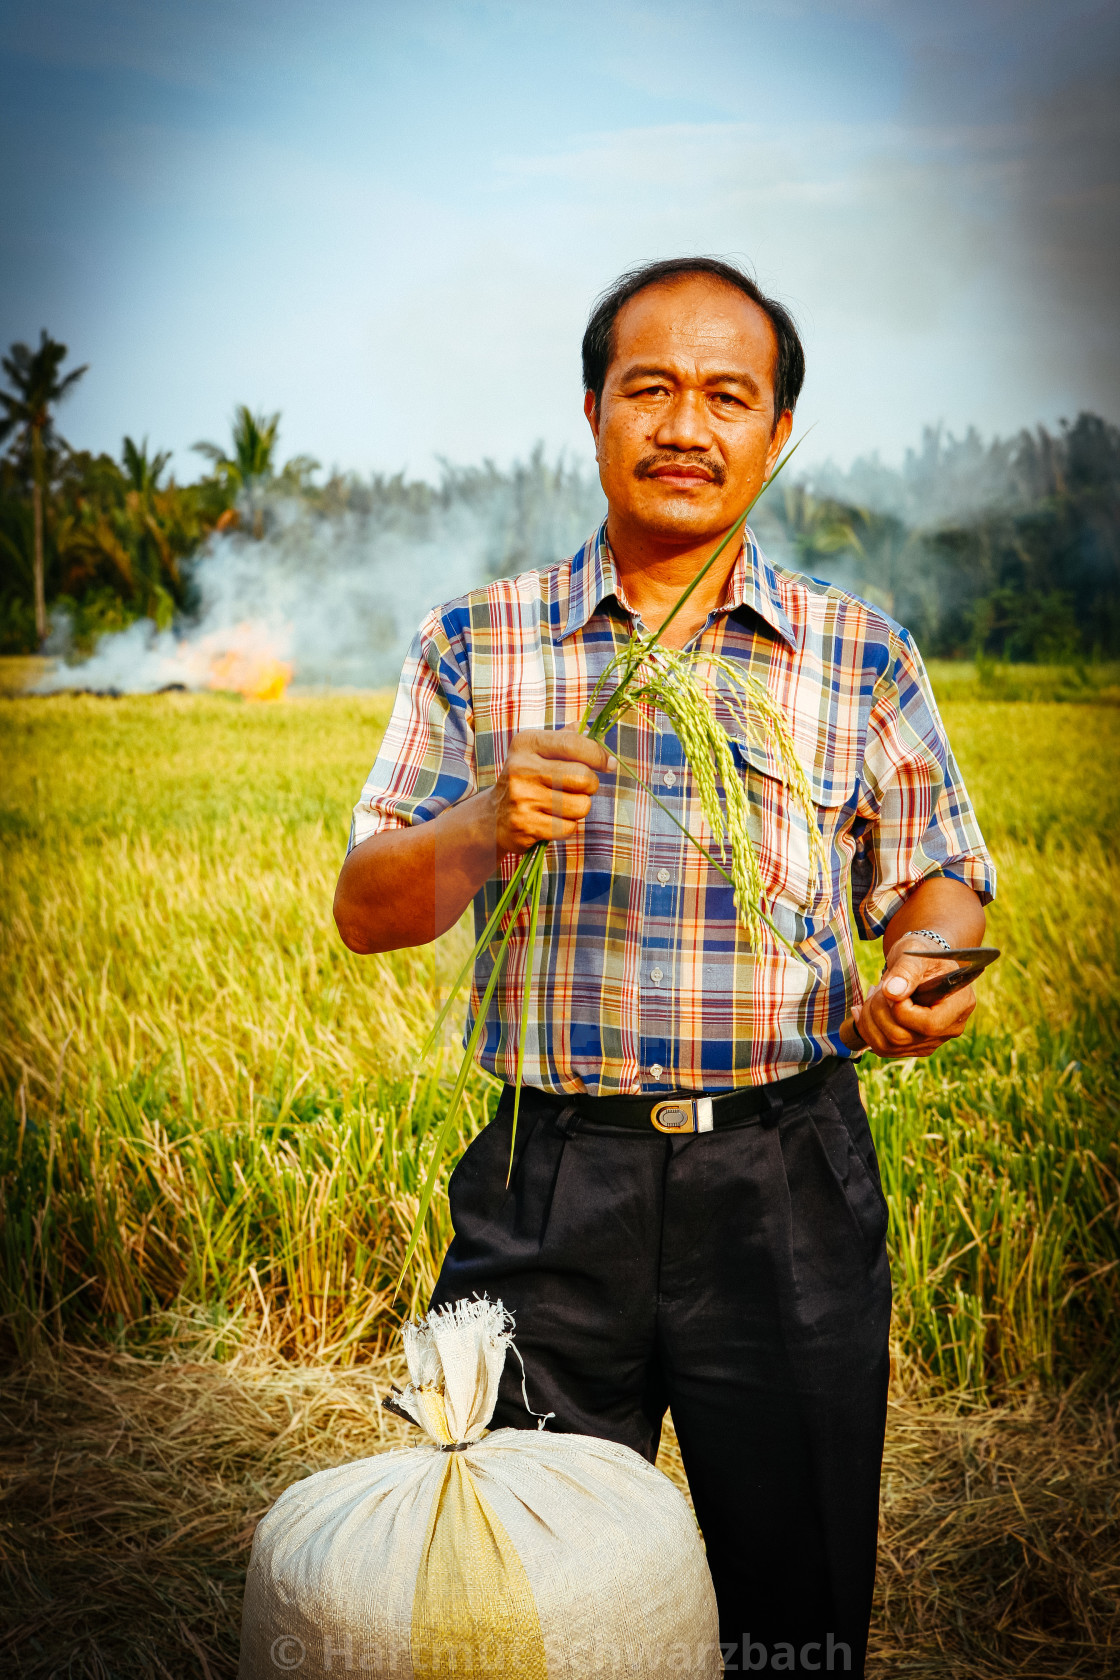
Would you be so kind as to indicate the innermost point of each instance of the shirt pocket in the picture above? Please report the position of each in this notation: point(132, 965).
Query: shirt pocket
point(794, 881)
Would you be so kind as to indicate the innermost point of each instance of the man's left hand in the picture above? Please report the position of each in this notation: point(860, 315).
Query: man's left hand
point(891, 1025)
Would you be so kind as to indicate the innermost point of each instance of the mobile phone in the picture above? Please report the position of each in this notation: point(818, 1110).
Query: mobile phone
point(974, 959)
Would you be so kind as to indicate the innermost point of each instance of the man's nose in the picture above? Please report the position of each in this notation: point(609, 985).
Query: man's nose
point(685, 425)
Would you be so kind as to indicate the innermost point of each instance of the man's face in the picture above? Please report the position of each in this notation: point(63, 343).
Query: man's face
point(685, 433)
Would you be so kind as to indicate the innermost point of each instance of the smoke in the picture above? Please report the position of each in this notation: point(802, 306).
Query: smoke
point(328, 586)
point(335, 584)
point(945, 480)
point(1009, 548)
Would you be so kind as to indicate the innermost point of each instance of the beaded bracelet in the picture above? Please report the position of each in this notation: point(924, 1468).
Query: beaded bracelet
point(928, 933)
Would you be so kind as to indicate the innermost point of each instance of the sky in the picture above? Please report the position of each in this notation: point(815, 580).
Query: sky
point(389, 222)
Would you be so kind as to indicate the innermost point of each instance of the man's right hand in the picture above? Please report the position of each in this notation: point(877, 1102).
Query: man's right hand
point(405, 886)
point(546, 786)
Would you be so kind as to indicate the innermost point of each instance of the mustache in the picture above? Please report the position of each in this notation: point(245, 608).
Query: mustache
point(681, 458)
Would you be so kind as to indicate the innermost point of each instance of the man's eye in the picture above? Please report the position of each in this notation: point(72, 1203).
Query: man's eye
point(727, 400)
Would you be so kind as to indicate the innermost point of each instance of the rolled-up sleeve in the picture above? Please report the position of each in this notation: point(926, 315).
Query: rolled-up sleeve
point(918, 816)
point(426, 761)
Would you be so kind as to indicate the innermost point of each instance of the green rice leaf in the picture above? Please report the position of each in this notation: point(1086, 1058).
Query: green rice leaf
point(537, 872)
point(481, 943)
point(444, 1132)
point(700, 847)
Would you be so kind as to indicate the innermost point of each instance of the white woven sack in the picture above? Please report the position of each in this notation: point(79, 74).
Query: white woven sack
point(519, 1555)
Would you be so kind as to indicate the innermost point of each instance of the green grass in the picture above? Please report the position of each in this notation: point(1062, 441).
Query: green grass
point(208, 1106)
point(1097, 681)
point(222, 1103)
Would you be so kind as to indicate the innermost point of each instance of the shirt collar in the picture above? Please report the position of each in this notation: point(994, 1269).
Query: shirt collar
point(752, 585)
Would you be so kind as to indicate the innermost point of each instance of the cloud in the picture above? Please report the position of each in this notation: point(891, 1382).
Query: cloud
point(867, 219)
point(391, 224)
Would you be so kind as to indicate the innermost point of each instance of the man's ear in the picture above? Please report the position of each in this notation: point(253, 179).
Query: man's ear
point(591, 409)
point(778, 439)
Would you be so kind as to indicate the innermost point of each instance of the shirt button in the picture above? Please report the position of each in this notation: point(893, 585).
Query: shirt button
point(656, 1070)
point(663, 877)
point(657, 975)
point(670, 778)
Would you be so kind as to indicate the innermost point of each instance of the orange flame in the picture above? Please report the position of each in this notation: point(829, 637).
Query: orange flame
point(250, 666)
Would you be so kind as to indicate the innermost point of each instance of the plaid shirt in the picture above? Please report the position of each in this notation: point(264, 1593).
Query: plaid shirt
point(643, 979)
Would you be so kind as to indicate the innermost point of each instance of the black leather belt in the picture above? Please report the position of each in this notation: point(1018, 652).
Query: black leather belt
point(694, 1112)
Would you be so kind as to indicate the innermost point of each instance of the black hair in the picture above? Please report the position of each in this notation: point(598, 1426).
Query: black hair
point(598, 345)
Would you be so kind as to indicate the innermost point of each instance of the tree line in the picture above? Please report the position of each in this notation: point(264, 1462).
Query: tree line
point(1007, 549)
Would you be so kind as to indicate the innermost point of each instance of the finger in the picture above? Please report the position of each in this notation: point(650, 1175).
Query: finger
point(554, 828)
point(890, 1039)
point(567, 744)
point(529, 825)
point(881, 1015)
point(947, 1017)
point(892, 1049)
point(905, 970)
point(904, 974)
point(886, 1034)
point(923, 1048)
point(875, 1041)
point(544, 774)
point(552, 803)
point(917, 1051)
point(894, 1044)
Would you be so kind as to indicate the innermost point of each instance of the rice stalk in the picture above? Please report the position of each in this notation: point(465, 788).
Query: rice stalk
point(444, 1133)
point(687, 688)
point(535, 876)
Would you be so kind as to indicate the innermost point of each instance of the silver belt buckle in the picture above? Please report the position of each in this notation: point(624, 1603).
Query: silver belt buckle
point(682, 1114)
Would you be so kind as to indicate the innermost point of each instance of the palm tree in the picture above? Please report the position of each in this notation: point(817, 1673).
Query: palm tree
point(143, 474)
point(816, 526)
point(145, 514)
point(36, 387)
point(254, 443)
point(881, 548)
point(885, 551)
point(251, 468)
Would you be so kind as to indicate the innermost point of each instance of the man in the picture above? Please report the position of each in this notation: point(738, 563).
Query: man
point(734, 1271)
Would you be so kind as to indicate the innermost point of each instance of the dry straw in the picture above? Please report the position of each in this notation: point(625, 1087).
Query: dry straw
point(131, 1488)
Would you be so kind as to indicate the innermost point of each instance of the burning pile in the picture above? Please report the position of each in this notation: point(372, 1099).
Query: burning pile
point(246, 658)
point(249, 665)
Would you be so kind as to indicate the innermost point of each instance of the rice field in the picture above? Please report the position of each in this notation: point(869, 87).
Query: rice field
point(213, 1125)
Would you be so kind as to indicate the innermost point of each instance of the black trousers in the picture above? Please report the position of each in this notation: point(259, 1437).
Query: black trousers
point(738, 1277)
